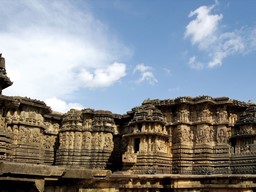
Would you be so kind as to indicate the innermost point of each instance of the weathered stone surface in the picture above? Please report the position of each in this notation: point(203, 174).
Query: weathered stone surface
point(182, 144)
point(30, 169)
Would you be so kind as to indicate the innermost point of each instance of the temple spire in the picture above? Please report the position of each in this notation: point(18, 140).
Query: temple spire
point(4, 79)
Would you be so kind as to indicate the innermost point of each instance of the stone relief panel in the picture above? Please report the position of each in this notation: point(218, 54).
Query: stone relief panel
point(205, 115)
point(223, 134)
point(108, 141)
point(87, 124)
point(144, 145)
point(129, 158)
point(63, 140)
point(101, 141)
point(87, 139)
point(35, 136)
point(25, 117)
point(204, 134)
point(78, 140)
point(5, 134)
point(186, 134)
point(183, 116)
point(222, 115)
point(23, 134)
point(52, 128)
point(182, 134)
point(49, 142)
point(161, 146)
point(71, 137)
point(232, 119)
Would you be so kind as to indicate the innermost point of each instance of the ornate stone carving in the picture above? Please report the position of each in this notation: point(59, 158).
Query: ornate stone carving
point(205, 134)
point(49, 141)
point(183, 116)
point(186, 134)
point(129, 158)
point(222, 136)
point(149, 138)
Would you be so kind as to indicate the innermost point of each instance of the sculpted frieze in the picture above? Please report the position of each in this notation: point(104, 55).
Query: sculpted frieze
point(25, 117)
point(161, 146)
point(183, 116)
point(78, 140)
point(205, 116)
point(186, 134)
point(144, 145)
point(183, 134)
point(63, 140)
point(87, 139)
point(36, 136)
point(108, 141)
point(222, 115)
point(100, 143)
point(87, 124)
point(149, 135)
point(223, 135)
point(49, 142)
point(232, 119)
point(23, 135)
point(71, 137)
point(129, 158)
point(204, 134)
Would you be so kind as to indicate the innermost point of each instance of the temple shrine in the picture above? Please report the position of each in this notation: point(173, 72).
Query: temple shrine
point(186, 144)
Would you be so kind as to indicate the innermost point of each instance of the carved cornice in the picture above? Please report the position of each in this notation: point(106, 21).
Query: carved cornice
point(196, 100)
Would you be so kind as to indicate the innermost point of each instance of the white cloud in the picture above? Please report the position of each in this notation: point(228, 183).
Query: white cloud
point(203, 26)
point(229, 44)
point(205, 33)
point(61, 105)
point(146, 74)
point(54, 48)
point(102, 77)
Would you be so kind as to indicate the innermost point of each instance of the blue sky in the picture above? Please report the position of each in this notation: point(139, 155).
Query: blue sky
point(114, 54)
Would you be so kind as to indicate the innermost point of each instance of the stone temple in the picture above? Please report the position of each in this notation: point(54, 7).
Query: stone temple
point(178, 145)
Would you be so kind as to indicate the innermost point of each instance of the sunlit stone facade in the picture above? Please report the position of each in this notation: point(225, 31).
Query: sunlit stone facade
point(182, 144)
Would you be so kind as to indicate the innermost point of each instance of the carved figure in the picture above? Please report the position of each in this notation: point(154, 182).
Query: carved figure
point(221, 136)
point(186, 135)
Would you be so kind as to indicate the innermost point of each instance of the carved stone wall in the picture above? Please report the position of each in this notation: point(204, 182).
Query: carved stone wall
point(148, 149)
point(244, 142)
point(201, 129)
point(5, 140)
point(86, 139)
point(26, 129)
point(182, 144)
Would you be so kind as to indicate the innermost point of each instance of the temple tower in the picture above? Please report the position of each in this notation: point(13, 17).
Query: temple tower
point(148, 148)
point(243, 141)
point(182, 147)
point(25, 124)
point(86, 139)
